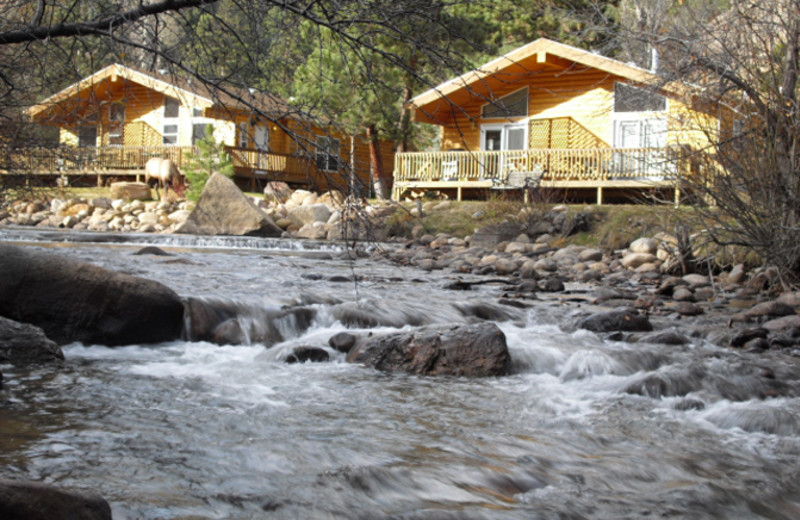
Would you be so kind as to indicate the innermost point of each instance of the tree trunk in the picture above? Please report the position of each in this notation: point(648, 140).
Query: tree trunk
point(382, 183)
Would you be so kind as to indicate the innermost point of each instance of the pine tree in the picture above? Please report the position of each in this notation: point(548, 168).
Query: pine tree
point(211, 158)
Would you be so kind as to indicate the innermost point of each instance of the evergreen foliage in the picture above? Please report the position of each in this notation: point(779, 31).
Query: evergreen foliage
point(211, 158)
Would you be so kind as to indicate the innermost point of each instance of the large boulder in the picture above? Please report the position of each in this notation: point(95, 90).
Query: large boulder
point(35, 501)
point(77, 301)
point(457, 350)
point(224, 210)
point(21, 343)
point(130, 190)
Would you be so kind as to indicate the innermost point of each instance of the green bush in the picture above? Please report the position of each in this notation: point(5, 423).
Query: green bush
point(211, 158)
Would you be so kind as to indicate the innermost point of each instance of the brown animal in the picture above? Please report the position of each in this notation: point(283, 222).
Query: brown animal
point(166, 173)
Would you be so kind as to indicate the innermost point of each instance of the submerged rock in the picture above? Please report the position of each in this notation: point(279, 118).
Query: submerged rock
point(458, 350)
point(77, 301)
point(35, 501)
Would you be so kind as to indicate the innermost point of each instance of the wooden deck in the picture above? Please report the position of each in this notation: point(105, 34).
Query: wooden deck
point(598, 168)
point(252, 167)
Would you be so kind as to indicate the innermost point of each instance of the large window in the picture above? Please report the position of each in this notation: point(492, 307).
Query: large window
point(628, 98)
point(116, 124)
point(171, 112)
point(512, 105)
point(328, 153)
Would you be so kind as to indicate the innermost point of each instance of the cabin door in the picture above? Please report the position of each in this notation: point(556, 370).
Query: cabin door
point(261, 138)
point(502, 138)
point(643, 143)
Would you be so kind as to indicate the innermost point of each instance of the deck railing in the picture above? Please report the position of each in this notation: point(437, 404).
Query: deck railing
point(594, 164)
point(68, 159)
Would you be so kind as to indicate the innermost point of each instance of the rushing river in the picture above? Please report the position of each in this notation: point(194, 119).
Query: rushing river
point(191, 430)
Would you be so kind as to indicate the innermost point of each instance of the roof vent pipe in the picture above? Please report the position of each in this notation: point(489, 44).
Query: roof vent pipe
point(653, 59)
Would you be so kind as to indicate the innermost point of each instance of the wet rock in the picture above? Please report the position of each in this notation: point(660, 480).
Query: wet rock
point(308, 353)
point(689, 404)
point(790, 298)
point(552, 285)
point(617, 320)
point(737, 274)
point(152, 250)
point(224, 210)
point(682, 294)
point(696, 280)
point(687, 309)
point(36, 501)
point(22, 344)
point(666, 337)
point(229, 332)
point(457, 350)
point(343, 341)
point(773, 308)
point(786, 322)
point(76, 301)
point(744, 336)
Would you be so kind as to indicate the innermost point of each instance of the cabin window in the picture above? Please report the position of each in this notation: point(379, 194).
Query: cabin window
point(512, 105)
point(628, 98)
point(198, 132)
point(87, 136)
point(197, 112)
point(244, 135)
point(328, 153)
point(116, 124)
point(171, 111)
point(171, 107)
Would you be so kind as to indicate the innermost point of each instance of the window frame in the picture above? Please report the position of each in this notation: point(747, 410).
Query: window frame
point(324, 157)
point(171, 138)
point(506, 96)
point(116, 125)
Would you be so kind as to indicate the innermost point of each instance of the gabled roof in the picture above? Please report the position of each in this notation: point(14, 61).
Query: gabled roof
point(537, 56)
point(190, 93)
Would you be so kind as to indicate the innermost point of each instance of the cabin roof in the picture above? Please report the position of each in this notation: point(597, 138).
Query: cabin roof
point(189, 92)
point(523, 62)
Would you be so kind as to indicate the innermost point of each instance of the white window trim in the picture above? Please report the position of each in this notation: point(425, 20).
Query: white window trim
point(171, 121)
point(119, 126)
point(504, 135)
point(509, 118)
point(319, 153)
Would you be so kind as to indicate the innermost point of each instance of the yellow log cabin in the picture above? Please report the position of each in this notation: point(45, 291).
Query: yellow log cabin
point(113, 121)
point(556, 117)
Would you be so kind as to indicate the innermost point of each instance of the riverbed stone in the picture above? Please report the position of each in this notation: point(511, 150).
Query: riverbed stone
point(634, 260)
point(457, 350)
point(22, 344)
point(493, 234)
point(224, 210)
point(76, 301)
point(644, 245)
point(22, 500)
point(625, 320)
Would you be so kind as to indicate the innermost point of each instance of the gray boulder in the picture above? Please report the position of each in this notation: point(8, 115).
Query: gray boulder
point(76, 301)
point(35, 501)
point(21, 343)
point(303, 215)
point(224, 210)
point(457, 350)
point(618, 320)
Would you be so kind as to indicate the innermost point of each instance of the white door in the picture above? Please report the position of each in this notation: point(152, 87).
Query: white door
point(261, 138)
point(645, 140)
point(502, 138)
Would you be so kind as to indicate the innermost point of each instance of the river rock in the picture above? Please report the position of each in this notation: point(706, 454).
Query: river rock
point(36, 501)
point(644, 245)
point(276, 191)
point(634, 260)
point(21, 344)
point(342, 341)
point(786, 322)
point(493, 234)
point(309, 214)
point(130, 190)
point(773, 309)
point(77, 301)
point(457, 350)
point(224, 210)
point(617, 320)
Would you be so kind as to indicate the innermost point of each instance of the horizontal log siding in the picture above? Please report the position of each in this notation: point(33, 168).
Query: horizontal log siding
point(586, 96)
